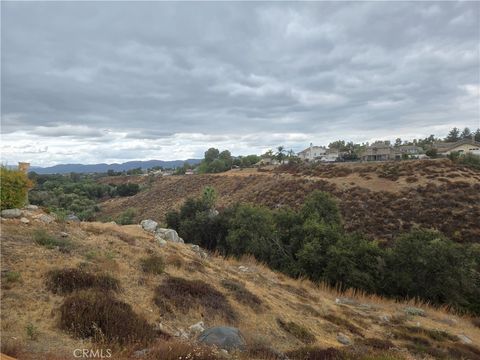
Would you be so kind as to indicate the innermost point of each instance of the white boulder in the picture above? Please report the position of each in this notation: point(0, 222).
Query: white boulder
point(198, 327)
point(11, 213)
point(168, 234)
point(149, 225)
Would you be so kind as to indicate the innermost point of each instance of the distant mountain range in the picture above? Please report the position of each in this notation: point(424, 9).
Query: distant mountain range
point(100, 168)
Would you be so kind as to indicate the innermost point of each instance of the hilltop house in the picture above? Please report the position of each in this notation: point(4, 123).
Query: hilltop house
point(410, 150)
point(462, 146)
point(312, 153)
point(331, 155)
point(267, 160)
point(378, 151)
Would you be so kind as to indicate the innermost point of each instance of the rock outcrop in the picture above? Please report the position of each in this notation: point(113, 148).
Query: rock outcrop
point(224, 337)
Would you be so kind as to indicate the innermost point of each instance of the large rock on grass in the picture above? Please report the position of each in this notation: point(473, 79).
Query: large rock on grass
point(168, 234)
point(149, 225)
point(11, 213)
point(228, 338)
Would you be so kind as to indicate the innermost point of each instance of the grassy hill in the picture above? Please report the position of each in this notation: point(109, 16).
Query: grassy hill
point(380, 200)
point(43, 263)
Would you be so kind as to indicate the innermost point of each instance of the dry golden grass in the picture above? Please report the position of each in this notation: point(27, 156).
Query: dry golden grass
point(310, 306)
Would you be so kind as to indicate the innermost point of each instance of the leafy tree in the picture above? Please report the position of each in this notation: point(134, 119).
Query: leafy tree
point(320, 206)
point(251, 231)
point(354, 262)
point(268, 154)
point(128, 189)
point(289, 239)
point(477, 135)
point(319, 237)
point(425, 264)
point(338, 145)
point(398, 142)
point(226, 157)
point(211, 154)
point(249, 160)
point(280, 154)
point(14, 188)
point(453, 135)
point(432, 152)
point(209, 196)
point(136, 171)
point(466, 134)
point(217, 166)
point(126, 217)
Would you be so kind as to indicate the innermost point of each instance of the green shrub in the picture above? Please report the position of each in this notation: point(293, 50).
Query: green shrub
point(32, 331)
point(251, 231)
point(127, 217)
point(127, 189)
point(298, 331)
point(14, 188)
point(43, 238)
point(470, 160)
point(153, 264)
point(63, 281)
point(12, 277)
point(99, 316)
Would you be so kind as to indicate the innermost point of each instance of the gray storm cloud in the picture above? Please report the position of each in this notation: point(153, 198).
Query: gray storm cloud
point(95, 79)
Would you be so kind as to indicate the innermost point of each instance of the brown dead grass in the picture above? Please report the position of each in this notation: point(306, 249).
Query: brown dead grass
point(242, 295)
point(174, 350)
point(280, 296)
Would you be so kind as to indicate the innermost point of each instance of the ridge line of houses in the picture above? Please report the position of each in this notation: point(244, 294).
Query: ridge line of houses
point(384, 151)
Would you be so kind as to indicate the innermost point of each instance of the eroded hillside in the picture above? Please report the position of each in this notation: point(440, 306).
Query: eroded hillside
point(276, 314)
point(381, 200)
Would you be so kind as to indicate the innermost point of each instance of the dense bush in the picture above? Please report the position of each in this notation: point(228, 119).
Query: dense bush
point(62, 281)
point(427, 265)
point(128, 189)
point(177, 294)
point(99, 316)
point(14, 188)
point(77, 194)
point(312, 242)
point(469, 160)
point(43, 238)
point(127, 217)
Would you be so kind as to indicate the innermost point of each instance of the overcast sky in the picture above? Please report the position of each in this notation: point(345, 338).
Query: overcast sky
point(116, 81)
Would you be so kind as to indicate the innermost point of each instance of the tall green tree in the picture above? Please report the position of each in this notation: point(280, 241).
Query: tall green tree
point(211, 154)
point(453, 135)
point(251, 231)
point(280, 154)
point(321, 206)
point(477, 135)
point(466, 133)
point(425, 264)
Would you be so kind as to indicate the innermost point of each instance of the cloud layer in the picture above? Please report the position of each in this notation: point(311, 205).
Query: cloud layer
point(114, 81)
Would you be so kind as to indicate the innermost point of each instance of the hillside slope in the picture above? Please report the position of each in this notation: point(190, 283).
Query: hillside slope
point(271, 310)
point(381, 200)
